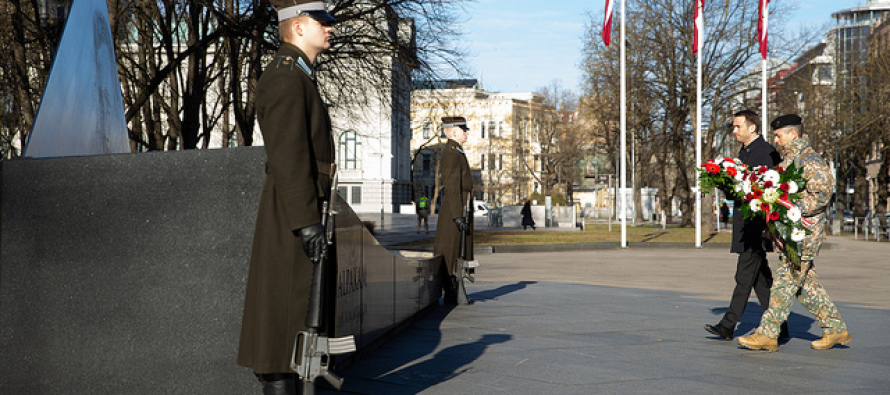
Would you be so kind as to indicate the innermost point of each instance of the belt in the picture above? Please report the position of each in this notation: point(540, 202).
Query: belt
point(325, 168)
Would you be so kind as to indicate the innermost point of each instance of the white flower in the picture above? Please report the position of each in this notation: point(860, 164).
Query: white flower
point(792, 187)
point(797, 235)
point(718, 161)
point(738, 187)
point(754, 204)
point(771, 175)
point(793, 214)
point(772, 194)
point(740, 175)
point(727, 164)
point(746, 186)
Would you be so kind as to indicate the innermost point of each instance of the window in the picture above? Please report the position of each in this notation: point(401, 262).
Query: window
point(348, 150)
point(343, 192)
point(482, 162)
point(500, 161)
point(482, 129)
point(427, 130)
point(356, 195)
point(427, 163)
point(492, 129)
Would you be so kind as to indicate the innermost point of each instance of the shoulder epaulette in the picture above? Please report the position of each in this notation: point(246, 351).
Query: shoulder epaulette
point(288, 61)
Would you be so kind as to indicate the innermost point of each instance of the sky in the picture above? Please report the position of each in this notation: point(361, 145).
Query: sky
point(523, 45)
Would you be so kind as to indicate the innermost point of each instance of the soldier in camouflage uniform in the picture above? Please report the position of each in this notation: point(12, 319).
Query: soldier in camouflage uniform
point(802, 282)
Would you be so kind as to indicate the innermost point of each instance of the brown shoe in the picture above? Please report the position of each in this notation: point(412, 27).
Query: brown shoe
point(757, 341)
point(828, 340)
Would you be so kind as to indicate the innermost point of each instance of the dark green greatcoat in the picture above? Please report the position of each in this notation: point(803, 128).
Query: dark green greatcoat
point(296, 131)
point(457, 184)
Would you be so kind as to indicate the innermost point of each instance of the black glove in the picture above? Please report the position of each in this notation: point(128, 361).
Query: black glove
point(314, 243)
point(461, 223)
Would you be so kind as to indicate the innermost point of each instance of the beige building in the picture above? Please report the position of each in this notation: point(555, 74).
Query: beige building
point(504, 145)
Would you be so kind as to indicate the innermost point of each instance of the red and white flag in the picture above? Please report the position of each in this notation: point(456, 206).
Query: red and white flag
point(699, 35)
point(607, 23)
point(762, 35)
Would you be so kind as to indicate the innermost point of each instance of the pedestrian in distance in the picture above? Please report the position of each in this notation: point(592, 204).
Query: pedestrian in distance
point(752, 267)
point(801, 282)
point(457, 187)
point(527, 215)
point(423, 212)
point(299, 147)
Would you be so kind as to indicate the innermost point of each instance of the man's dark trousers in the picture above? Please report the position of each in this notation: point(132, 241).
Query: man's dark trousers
point(752, 272)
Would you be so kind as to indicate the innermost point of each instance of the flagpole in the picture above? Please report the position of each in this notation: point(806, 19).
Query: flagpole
point(623, 209)
point(764, 114)
point(698, 159)
point(764, 108)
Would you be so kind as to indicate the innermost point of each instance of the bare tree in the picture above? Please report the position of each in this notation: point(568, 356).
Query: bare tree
point(559, 141)
point(29, 36)
point(187, 68)
point(662, 87)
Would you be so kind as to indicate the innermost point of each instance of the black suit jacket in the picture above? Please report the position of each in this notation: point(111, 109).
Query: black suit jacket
point(747, 235)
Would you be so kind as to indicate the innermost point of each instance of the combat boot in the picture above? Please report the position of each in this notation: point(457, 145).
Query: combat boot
point(828, 340)
point(757, 341)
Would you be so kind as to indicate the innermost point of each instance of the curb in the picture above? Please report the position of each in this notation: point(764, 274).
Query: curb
point(514, 248)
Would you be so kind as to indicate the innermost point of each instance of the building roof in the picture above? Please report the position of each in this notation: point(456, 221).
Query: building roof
point(871, 5)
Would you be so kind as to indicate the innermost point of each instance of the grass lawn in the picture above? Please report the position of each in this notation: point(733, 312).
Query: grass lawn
point(592, 234)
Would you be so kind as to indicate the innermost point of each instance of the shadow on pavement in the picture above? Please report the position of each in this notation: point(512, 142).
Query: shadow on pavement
point(799, 325)
point(493, 294)
point(443, 366)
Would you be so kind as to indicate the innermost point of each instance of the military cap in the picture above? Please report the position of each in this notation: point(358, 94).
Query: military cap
point(785, 121)
point(317, 9)
point(455, 122)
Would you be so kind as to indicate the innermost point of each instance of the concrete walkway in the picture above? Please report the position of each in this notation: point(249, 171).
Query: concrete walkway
point(629, 321)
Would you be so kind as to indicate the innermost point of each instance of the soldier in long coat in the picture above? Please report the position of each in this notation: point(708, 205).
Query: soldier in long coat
point(299, 148)
point(801, 282)
point(457, 184)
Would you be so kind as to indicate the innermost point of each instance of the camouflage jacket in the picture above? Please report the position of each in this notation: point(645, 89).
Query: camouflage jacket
point(815, 196)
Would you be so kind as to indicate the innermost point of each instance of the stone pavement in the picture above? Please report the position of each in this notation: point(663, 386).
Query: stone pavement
point(630, 321)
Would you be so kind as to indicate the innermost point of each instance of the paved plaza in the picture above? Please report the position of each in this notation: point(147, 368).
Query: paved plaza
point(629, 321)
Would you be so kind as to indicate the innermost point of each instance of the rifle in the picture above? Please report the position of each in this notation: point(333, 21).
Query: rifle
point(465, 268)
point(315, 349)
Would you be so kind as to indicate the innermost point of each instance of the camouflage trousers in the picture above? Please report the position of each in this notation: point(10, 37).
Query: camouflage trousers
point(789, 283)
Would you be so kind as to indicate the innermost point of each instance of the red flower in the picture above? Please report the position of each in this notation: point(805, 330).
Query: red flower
point(774, 216)
point(758, 194)
point(762, 170)
point(783, 196)
point(784, 186)
point(728, 159)
point(764, 206)
point(731, 171)
point(753, 178)
point(767, 184)
point(780, 169)
point(748, 197)
point(712, 168)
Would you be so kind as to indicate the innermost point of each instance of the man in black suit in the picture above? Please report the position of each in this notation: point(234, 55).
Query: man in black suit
point(752, 270)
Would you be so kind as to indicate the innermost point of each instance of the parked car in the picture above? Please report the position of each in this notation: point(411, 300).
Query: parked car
point(480, 209)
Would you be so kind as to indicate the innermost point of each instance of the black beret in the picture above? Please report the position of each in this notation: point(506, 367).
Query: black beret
point(785, 121)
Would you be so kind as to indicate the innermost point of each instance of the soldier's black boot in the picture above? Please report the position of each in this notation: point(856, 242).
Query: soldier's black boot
point(278, 384)
point(450, 287)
